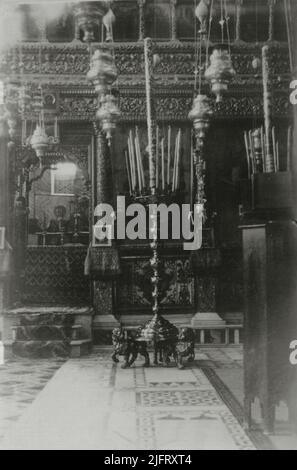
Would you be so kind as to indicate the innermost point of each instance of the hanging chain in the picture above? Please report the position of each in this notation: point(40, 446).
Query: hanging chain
point(227, 18)
point(209, 30)
point(222, 21)
point(196, 48)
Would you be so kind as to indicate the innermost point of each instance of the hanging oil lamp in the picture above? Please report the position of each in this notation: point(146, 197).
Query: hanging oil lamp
point(220, 71)
point(11, 105)
point(103, 72)
point(108, 115)
point(108, 21)
point(88, 16)
point(201, 114)
point(40, 141)
point(201, 14)
point(24, 100)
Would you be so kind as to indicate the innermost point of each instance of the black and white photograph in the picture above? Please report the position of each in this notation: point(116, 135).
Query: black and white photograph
point(148, 227)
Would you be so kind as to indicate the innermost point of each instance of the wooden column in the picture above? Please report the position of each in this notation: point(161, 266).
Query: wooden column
point(104, 184)
point(267, 104)
point(4, 217)
point(103, 193)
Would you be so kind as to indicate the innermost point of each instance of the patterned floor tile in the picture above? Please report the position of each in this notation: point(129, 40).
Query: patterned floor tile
point(103, 406)
point(173, 398)
point(20, 382)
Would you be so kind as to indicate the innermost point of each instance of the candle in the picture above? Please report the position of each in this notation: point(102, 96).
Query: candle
point(133, 156)
point(23, 132)
point(130, 160)
point(157, 157)
point(263, 149)
point(138, 165)
point(252, 152)
point(178, 158)
point(163, 163)
point(277, 156)
point(128, 171)
point(56, 128)
point(168, 155)
point(289, 140)
point(191, 170)
point(274, 148)
point(175, 163)
point(247, 154)
point(132, 164)
point(140, 157)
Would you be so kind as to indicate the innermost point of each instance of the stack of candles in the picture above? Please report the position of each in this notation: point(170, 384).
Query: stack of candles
point(168, 157)
point(257, 148)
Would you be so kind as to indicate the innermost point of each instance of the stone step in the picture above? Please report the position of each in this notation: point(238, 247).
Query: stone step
point(46, 319)
point(41, 349)
point(80, 348)
point(42, 331)
point(46, 332)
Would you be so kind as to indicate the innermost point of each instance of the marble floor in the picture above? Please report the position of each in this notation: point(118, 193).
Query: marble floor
point(89, 403)
point(21, 381)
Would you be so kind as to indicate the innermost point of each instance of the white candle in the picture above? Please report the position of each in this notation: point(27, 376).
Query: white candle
point(191, 170)
point(163, 163)
point(157, 157)
point(289, 140)
point(56, 128)
point(128, 171)
point(168, 155)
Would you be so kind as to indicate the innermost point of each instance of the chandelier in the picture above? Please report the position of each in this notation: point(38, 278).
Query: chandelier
point(201, 114)
point(39, 140)
point(103, 72)
point(108, 115)
point(220, 71)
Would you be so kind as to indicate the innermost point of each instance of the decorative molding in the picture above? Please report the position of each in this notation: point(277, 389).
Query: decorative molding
point(175, 58)
point(63, 73)
point(172, 107)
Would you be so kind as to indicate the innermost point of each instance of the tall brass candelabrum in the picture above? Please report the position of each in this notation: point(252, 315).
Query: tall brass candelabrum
point(158, 330)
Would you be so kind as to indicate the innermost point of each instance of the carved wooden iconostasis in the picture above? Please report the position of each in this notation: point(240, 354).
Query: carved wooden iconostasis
point(54, 56)
point(49, 203)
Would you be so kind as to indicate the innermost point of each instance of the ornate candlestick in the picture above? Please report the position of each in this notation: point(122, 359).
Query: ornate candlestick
point(158, 330)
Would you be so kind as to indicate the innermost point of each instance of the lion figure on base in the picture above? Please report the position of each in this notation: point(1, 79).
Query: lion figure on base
point(185, 347)
point(127, 344)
